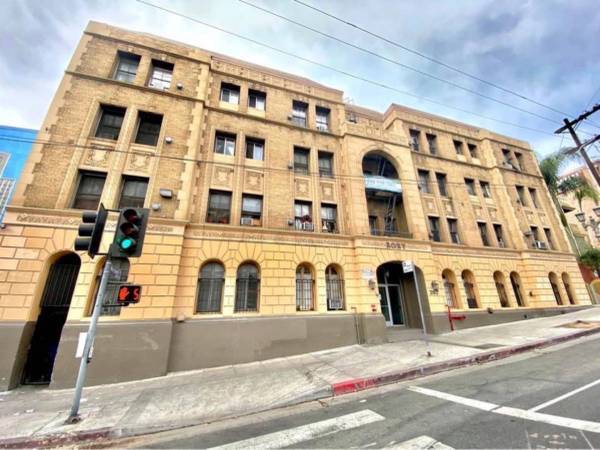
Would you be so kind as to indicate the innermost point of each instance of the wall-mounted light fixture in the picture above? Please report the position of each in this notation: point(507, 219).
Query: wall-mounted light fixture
point(169, 140)
point(165, 193)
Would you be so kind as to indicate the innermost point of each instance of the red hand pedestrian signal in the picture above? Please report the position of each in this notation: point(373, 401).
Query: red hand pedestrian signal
point(129, 293)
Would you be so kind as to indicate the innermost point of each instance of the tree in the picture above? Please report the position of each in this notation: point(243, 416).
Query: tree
point(550, 169)
point(591, 259)
point(581, 189)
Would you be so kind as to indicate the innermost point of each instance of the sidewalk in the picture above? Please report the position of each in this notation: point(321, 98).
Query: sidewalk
point(34, 417)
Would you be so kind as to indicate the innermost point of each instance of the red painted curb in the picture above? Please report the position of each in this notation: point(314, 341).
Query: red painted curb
point(360, 384)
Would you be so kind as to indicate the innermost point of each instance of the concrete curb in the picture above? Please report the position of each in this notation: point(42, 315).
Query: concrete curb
point(336, 389)
point(360, 384)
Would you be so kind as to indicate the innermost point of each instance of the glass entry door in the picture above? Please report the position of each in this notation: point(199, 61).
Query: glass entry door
point(391, 304)
point(385, 305)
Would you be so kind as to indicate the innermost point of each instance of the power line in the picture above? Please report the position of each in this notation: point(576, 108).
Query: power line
point(110, 149)
point(334, 69)
point(429, 58)
point(396, 62)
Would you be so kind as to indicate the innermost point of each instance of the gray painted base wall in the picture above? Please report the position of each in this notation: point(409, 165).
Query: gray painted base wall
point(482, 318)
point(14, 343)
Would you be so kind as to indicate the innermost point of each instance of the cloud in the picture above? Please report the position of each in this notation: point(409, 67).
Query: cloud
point(545, 50)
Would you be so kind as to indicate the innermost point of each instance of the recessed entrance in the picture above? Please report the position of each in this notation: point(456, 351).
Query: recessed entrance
point(398, 296)
point(54, 308)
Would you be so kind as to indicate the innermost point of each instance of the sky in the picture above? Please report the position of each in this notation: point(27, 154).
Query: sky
point(546, 50)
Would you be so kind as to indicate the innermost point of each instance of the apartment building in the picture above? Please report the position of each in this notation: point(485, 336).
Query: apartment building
point(281, 218)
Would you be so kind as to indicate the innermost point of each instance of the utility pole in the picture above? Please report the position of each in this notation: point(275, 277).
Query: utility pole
point(581, 145)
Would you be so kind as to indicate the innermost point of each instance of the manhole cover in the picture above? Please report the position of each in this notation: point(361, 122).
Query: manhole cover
point(581, 324)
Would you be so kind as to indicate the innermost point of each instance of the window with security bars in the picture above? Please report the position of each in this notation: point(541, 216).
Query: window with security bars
point(110, 122)
point(470, 294)
point(515, 281)
point(501, 289)
point(335, 289)
point(247, 288)
point(89, 190)
point(219, 207)
point(148, 128)
point(127, 65)
point(210, 288)
point(304, 289)
point(133, 192)
point(161, 74)
point(225, 143)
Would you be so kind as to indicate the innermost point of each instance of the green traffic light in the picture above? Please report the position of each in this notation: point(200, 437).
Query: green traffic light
point(127, 243)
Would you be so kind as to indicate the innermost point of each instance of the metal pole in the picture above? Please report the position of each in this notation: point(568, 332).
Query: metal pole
point(586, 158)
point(89, 341)
point(425, 335)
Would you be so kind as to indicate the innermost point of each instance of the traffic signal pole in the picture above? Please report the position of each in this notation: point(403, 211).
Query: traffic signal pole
point(89, 341)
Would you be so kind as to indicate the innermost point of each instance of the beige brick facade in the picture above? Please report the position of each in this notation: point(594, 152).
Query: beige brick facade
point(41, 225)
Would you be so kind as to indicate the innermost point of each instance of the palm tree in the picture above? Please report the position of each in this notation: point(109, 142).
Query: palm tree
point(581, 190)
point(550, 169)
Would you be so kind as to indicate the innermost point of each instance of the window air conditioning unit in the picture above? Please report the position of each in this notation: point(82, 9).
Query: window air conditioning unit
point(540, 245)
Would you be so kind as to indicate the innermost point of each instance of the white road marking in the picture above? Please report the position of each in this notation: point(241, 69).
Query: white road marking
point(421, 443)
point(292, 436)
point(567, 395)
point(576, 424)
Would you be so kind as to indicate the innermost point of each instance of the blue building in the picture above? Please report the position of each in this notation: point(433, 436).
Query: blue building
point(15, 145)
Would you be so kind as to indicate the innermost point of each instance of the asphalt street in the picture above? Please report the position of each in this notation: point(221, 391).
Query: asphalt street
point(545, 399)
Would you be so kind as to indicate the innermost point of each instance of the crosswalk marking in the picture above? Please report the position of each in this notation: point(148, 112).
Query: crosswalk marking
point(420, 443)
point(303, 433)
point(576, 424)
point(564, 396)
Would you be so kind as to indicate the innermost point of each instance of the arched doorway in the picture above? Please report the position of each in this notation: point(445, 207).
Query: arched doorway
point(383, 191)
point(54, 307)
point(398, 295)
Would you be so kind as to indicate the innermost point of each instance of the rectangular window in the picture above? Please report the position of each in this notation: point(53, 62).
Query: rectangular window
point(473, 150)
point(127, 65)
point(148, 128)
point(133, 192)
point(442, 184)
point(219, 206)
point(299, 112)
point(329, 218)
point(255, 148)
point(225, 143)
point(251, 210)
point(230, 93)
point(483, 233)
point(499, 235)
point(424, 181)
point(434, 229)
point(257, 99)
point(110, 122)
point(303, 219)
point(534, 199)
point(453, 229)
point(301, 160)
point(414, 140)
point(458, 147)
point(535, 233)
point(322, 118)
point(519, 161)
point(432, 143)
point(325, 164)
point(485, 189)
point(549, 240)
point(506, 159)
point(89, 190)
point(470, 183)
point(161, 74)
point(521, 195)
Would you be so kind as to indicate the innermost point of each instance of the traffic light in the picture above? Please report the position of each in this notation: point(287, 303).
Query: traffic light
point(90, 231)
point(130, 232)
point(129, 293)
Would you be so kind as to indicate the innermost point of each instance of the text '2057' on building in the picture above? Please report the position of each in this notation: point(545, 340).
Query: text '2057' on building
point(280, 218)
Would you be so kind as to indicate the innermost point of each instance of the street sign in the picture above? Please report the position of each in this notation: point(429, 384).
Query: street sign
point(129, 293)
point(407, 266)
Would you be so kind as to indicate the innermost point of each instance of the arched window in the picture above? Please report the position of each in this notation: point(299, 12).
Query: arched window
point(210, 288)
point(501, 289)
point(247, 288)
point(567, 283)
point(515, 281)
point(449, 281)
point(554, 284)
point(335, 288)
point(110, 304)
point(304, 288)
point(469, 285)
